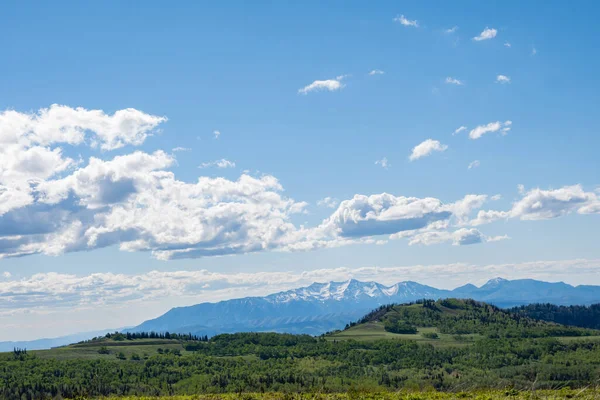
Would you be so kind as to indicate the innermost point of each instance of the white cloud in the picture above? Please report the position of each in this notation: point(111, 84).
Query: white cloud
point(62, 124)
point(507, 44)
point(330, 85)
point(454, 81)
point(533, 51)
point(474, 164)
point(406, 22)
point(460, 237)
point(222, 163)
point(376, 72)
point(459, 130)
point(381, 214)
point(6, 274)
point(178, 149)
point(329, 202)
point(217, 134)
point(538, 204)
point(502, 79)
point(383, 162)
point(135, 202)
point(451, 30)
point(426, 148)
point(479, 131)
point(486, 34)
point(51, 204)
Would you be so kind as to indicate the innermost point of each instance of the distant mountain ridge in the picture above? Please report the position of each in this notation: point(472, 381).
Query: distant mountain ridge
point(323, 307)
point(47, 343)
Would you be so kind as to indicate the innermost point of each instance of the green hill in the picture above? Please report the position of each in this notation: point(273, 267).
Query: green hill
point(452, 322)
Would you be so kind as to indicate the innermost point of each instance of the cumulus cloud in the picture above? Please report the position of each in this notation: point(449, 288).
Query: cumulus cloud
point(460, 237)
point(453, 81)
point(329, 202)
point(383, 162)
point(330, 85)
point(376, 72)
point(382, 214)
point(507, 44)
point(62, 124)
point(538, 204)
point(451, 30)
point(502, 79)
point(406, 22)
point(497, 126)
point(217, 134)
point(459, 130)
point(179, 149)
point(133, 201)
point(397, 216)
point(486, 34)
point(426, 148)
point(51, 204)
point(474, 164)
point(222, 163)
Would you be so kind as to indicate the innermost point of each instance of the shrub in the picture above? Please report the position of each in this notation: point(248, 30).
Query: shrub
point(430, 335)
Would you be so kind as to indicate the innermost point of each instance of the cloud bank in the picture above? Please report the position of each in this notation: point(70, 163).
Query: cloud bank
point(50, 292)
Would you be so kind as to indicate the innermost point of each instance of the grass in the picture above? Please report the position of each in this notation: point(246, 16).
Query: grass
point(375, 331)
point(90, 350)
point(569, 339)
point(587, 394)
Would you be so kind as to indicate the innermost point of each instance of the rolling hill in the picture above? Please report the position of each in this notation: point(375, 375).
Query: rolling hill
point(453, 321)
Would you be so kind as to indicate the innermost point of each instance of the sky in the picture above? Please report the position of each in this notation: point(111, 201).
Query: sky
point(156, 155)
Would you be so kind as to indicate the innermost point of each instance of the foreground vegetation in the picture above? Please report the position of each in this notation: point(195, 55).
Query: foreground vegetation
point(587, 394)
point(451, 346)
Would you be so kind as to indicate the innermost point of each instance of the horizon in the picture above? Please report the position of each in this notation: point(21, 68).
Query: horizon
point(122, 328)
point(479, 286)
point(248, 150)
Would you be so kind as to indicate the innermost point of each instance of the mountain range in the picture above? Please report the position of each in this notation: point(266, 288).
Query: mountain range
point(323, 307)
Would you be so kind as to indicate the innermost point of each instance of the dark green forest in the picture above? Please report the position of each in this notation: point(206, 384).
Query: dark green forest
point(583, 316)
point(454, 316)
point(513, 352)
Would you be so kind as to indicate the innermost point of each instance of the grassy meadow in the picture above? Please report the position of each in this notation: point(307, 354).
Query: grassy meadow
point(563, 394)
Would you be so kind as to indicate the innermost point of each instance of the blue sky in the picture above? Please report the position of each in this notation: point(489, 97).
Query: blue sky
point(240, 69)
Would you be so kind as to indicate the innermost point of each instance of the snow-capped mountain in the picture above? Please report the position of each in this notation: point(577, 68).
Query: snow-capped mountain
point(352, 290)
point(322, 307)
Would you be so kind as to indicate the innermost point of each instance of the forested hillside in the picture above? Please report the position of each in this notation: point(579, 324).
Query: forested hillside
point(583, 316)
point(458, 317)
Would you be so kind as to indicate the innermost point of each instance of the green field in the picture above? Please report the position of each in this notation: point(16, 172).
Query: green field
point(143, 348)
point(587, 394)
point(376, 331)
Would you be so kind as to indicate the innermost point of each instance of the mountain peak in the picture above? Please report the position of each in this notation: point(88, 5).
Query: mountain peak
point(495, 282)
